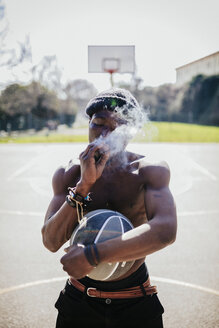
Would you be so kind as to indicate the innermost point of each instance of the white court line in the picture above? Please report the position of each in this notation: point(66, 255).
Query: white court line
point(158, 279)
point(185, 284)
point(30, 284)
point(202, 169)
point(22, 213)
point(22, 169)
point(25, 167)
point(39, 190)
point(189, 213)
point(184, 188)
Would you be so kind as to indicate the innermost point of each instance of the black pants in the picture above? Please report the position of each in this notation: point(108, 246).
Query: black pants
point(79, 310)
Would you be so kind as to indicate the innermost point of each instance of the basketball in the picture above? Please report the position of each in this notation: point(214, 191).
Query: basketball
point(99, 226)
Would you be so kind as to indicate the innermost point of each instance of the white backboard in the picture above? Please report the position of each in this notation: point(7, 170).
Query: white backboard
point(120, 59)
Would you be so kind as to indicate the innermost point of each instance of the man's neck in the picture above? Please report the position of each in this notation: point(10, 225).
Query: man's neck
point(118, 160)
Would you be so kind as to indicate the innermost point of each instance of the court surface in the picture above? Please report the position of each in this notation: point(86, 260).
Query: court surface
point(186, 273)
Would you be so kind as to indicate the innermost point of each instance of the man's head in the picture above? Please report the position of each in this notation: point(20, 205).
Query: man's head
point(113, 100)
point(110, 109)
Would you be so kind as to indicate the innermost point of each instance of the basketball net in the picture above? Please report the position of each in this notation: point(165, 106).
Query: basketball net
point(111, 66)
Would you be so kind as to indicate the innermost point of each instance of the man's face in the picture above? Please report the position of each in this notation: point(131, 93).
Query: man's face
point(102, 123)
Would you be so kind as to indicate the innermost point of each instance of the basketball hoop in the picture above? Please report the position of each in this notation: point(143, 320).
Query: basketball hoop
point(111, 59)
point(111, 66)
point(111, 71)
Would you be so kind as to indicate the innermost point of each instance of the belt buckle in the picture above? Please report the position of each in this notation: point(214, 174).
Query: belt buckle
point(88, 290)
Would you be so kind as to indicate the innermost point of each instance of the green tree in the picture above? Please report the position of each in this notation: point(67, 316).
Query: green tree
point(80, 91)
point(33, 105)
point(201, 99)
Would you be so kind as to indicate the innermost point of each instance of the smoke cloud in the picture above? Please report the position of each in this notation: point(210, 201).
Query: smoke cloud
point(131, 124)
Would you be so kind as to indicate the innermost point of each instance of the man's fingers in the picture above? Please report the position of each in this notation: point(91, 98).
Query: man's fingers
point(69, 248)
point(104, 158)
point(101, 148)
point(72, 247)
point(86, 151)
point(92, 148)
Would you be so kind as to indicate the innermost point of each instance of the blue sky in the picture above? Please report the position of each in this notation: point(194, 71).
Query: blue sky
point(166, 33)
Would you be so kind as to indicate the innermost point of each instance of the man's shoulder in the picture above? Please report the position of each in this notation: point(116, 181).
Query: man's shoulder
point(155, 175)
point(66, 176)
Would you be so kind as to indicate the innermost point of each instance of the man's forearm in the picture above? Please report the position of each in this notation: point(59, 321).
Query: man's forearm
point(58, 229)
point(137, 243)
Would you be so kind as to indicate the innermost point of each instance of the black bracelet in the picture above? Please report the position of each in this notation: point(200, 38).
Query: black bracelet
point(89, 255)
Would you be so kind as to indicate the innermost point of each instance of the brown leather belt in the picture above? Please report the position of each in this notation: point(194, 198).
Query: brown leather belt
point(138, 291)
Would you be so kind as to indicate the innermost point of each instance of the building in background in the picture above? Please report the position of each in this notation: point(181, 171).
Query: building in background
point(208, 65)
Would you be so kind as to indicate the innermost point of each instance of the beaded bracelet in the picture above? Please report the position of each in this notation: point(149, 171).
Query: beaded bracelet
point(77, 201)
point(77, 197)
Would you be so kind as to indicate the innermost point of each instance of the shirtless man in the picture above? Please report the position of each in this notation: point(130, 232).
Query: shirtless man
point(139, 191)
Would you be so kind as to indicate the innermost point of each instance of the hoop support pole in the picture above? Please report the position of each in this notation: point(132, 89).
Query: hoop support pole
point(111, 79)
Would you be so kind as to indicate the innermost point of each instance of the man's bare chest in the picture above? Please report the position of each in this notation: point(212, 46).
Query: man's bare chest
point(120, 192)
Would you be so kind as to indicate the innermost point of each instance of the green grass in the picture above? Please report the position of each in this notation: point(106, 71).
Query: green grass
point(43, 139)
point(178, 132)
point(153, 131)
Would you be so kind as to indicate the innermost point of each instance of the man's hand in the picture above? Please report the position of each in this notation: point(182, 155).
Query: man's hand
point(75, 262)
point(91, 169)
